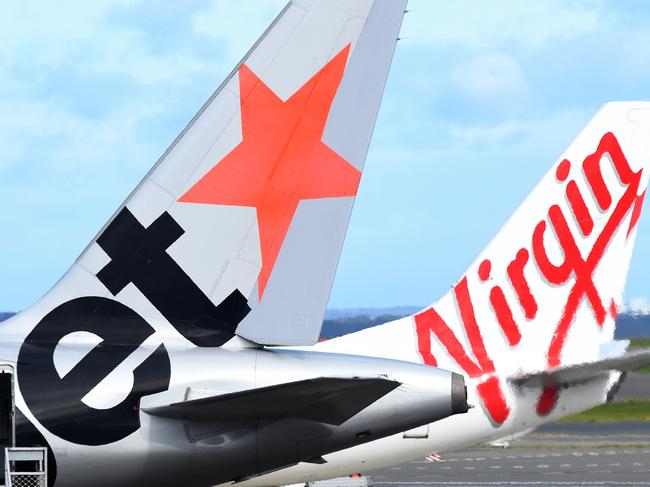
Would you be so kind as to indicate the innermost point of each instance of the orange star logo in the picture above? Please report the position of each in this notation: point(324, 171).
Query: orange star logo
point(281, 159)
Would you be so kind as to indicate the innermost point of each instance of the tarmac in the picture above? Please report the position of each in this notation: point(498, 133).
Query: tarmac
point(580, 454)
point(525, 467)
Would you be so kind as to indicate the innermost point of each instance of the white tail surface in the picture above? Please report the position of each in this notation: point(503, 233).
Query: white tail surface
point(546, 289)
point(239, 226)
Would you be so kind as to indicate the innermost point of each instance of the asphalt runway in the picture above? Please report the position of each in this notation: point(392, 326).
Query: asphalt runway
point(580, 454)
point(584, 454)
point(525, 467)
point(635, 386)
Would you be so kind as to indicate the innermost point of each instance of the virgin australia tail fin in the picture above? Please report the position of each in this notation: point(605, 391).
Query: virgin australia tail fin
point(239, 226)
point(546, 289)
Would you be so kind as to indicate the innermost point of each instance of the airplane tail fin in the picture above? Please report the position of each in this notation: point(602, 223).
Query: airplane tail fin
point(239, 225)
point(545, 291)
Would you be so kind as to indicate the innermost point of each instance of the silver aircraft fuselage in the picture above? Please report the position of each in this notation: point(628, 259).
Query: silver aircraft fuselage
point(165, 451)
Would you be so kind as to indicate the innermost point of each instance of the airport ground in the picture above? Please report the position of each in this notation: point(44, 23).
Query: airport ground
point(589, 450)
point(520, 466)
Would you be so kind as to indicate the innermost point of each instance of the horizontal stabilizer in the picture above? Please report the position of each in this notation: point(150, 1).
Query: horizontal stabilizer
point(580, 373)
point(330, 400)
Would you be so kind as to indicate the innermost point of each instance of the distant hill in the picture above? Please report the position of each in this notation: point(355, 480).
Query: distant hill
point(340, 322)
point(5, 315)
point(336, 314)
point(344, 321)
point(633, 325)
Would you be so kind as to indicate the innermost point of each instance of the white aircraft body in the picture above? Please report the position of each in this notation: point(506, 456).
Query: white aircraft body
point(148, 362)
point(531, 322)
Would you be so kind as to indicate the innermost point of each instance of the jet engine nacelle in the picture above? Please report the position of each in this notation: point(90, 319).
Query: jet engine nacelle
point(275, 408)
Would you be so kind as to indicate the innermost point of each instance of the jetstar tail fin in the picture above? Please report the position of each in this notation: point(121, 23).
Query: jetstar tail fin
point(239, 226)
point(546, 289)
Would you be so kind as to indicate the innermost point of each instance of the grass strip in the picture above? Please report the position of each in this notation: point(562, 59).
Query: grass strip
point(640, 343)
point(629, 410)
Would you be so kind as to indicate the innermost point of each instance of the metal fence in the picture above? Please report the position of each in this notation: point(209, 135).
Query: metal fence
point(25, 467)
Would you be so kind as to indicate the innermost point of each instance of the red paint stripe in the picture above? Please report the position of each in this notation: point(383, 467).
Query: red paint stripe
point(613, 310)
point(520, 284)
point(636, 212)
point(593, 171)
point(610, 145)
point(583, 271)
point(555, 274)
point(484, 270)
point(504, 316)
point(579, 207)
point(492, 396)
point(430, 321)
point(423, 330)
point(562, 170)
point(466, 309)
point(547, 400)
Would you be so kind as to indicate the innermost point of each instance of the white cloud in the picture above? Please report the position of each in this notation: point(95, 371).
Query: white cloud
point(60, 141)
point(491, 77)
point(102, 37)
point(485, 24)
point(482, 134)
point(45, 31)
point(49, 49)
point(637, 305)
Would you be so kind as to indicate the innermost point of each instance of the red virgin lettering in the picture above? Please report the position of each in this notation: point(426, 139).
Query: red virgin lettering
point(504, 316)
point(428, 322)
point(571, 266)
point(466, 308)
point(489, 388)
point(492, 396)
point(613, 310)
point(484, 270)
point(636, 212)
point(520, 284)
point(547, 400)
point(562, 170)
point(579, 208)
point(584, 269)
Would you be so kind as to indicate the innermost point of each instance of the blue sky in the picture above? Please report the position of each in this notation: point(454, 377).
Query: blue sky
point(91, 93)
